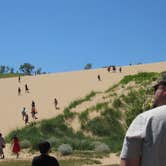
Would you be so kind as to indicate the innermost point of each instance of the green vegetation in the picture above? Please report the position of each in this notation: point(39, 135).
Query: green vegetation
point(117, 103)
point(112, 88)
point(54, 130)
point(79, 101)
point(140, 77)
point(136, 102)
point(8, 75)
point(109, 128)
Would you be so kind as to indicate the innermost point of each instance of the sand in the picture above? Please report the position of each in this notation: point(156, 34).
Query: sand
point(66, 87)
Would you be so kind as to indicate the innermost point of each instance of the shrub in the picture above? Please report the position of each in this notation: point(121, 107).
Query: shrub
point(96, 143)
point(84, 117)
point(117, 103)
point(99, 106)
point(47, 127)
point(65, 149)
point(25, 144)
point(102, 148)
point(68, 114)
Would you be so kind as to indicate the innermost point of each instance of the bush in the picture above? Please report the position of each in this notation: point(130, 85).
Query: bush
point(102, 148)
point(117, 103)
point(25, 144)
point(47, 127)
point(65, 149)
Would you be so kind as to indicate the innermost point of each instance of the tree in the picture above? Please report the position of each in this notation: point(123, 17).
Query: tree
point(39, 70)
point(11, 70)
point(2, 69)
point(88, 66)
point(26, 68)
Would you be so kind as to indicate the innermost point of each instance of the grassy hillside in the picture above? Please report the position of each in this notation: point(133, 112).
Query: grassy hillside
point(106, 121)
point(9, 75)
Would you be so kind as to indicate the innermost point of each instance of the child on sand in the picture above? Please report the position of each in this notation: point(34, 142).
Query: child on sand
point(16, 146)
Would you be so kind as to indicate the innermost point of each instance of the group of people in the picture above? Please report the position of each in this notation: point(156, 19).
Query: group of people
point(43, 159)
point(113, 68)
point(109, 68)
point(24, 111)
point(26, 87)
point(25, 116)
point(15, 146)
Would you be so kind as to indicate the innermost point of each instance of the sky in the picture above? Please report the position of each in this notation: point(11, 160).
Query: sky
point(65, 35)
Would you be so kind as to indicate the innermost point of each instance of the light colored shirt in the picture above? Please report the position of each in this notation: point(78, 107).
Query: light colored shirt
point(146, 138)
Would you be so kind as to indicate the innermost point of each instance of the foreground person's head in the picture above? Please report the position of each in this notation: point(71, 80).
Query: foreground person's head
point(160, 94)
point(44, 147)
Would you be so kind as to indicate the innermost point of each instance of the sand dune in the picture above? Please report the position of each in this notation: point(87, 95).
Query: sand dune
point(66, 87)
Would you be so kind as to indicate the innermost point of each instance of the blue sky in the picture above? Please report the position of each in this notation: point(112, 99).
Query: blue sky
point(65, 35)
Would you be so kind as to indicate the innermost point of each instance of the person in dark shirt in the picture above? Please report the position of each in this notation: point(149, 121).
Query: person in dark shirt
point(44, 159)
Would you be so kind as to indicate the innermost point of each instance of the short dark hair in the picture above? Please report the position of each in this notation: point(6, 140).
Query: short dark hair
point(163, 82)
point(44, 147)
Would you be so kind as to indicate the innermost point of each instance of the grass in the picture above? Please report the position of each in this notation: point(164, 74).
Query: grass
point(140, 77)
point(77, 102)
point(112, 88)
point(9, 75)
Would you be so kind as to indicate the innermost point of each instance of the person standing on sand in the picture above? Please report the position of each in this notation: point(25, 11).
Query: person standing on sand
point(33, 110)
point(26, 119)
point(16, 146)
point(55, 103)
point(19, 79)
point(44, 159)
point(26, 88)
point(120, 69)
point(109, 68)
point(98, 77)
point(2, 145)
point(19, 91)
point(23, 113)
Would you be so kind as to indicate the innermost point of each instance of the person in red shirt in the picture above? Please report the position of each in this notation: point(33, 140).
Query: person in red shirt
point(16, 146)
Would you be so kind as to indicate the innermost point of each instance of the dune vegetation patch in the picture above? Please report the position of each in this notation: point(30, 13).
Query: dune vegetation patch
point(116, 113)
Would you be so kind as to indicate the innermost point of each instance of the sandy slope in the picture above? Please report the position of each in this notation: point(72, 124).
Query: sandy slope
point(65, 86)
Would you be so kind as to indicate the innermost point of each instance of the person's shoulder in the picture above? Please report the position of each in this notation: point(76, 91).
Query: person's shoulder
point(36, 158)
point(53, 159)
point(157, 111)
